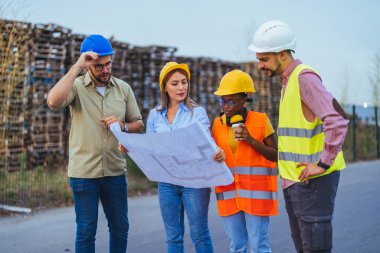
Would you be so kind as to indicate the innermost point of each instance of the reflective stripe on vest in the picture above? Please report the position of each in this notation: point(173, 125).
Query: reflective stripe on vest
point(299, 140)
point(256, 194)
point(225, 195)
point(246, 194)
point(256, 171)
point(287, 156)
point(298, 132)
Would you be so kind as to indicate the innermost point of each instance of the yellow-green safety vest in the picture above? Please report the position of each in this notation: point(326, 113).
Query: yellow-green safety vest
point(298, 139)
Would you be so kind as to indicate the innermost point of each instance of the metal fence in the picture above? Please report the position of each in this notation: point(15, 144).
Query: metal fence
point(362, 140)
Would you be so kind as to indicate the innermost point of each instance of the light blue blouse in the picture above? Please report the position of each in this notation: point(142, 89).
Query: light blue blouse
point(158, 122)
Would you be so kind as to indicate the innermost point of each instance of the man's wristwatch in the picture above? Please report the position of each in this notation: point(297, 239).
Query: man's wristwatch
point(125, 130)
point(323, 165)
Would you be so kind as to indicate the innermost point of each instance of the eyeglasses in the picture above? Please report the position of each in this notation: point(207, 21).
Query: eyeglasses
point(230, 103)
point(99, 67)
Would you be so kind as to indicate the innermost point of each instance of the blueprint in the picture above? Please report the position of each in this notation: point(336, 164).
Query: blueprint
point(181, 157)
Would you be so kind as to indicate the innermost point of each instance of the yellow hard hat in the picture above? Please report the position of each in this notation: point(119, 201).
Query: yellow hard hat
point(171, 66)
point(235, 81)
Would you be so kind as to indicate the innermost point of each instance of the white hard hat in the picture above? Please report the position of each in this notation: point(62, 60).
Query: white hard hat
point(272, 37)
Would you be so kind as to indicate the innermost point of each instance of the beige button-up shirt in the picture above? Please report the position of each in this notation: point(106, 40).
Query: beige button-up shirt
point(93, 149)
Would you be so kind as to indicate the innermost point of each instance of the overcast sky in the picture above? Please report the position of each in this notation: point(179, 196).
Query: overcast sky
point(339, 38)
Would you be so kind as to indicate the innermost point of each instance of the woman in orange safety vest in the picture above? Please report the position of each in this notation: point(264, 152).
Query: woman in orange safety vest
point(250, 144)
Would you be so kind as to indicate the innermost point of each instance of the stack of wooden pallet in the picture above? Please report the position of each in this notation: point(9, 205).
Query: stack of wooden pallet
point(14, 57)
point(47, 66)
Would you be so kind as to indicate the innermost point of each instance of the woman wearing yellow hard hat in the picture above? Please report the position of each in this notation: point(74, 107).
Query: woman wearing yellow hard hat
point(250, 144)
point(177, 110)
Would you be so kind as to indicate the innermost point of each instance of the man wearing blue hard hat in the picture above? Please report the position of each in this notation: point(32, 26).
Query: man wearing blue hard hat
point(96, 167)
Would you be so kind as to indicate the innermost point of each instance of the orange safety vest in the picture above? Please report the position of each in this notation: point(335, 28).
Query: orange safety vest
point(254, 189)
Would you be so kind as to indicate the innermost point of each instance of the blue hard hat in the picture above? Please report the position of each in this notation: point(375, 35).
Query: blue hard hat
point(98, 44)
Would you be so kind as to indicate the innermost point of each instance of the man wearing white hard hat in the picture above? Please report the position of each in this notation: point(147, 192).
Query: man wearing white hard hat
point(311, 131)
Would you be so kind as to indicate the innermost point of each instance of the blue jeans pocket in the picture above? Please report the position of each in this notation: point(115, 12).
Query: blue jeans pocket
point(316, 232)
point(79, 185)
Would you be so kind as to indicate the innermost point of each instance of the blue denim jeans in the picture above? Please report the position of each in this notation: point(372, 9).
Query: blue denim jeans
point(174, 201)
point(112, 192)
point(242, 226)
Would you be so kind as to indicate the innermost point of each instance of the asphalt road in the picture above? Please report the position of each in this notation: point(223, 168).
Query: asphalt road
point(356, 223)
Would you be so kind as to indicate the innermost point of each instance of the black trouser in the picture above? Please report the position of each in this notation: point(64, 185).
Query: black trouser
point(310, 209)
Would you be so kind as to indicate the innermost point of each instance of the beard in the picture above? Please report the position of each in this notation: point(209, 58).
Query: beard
point(269, 72)
point(272, 72)
point(103, 79)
